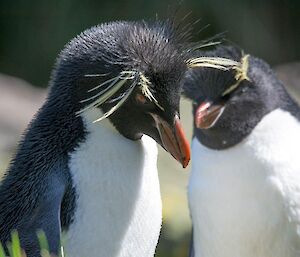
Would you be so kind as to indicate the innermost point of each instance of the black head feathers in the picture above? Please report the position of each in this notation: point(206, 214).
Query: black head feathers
point(109, 61)
point(228, 103)
point(131, 71)
point(211, 82)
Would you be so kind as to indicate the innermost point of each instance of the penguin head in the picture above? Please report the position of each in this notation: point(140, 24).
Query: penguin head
point(229, 101)
point(131, 71)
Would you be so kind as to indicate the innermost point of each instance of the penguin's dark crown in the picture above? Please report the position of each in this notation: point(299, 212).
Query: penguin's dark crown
point(111, 60)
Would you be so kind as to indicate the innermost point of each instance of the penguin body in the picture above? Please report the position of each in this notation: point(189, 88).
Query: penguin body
point(129, 212)
point(242, 203)
point(86, 166)
point(245, 181)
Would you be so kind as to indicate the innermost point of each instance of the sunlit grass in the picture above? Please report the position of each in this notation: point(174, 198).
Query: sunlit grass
point(15, 250)
point(2, 253)
point(14, 247)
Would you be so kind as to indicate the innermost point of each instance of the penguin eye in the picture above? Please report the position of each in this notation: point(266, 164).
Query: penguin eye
point(145, 103)
point(140, 98)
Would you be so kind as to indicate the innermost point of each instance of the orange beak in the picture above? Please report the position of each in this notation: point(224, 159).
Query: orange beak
point(173, 139)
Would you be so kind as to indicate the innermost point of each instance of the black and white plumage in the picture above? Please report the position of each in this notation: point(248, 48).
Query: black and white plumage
point(95, 179)
point(244, 186)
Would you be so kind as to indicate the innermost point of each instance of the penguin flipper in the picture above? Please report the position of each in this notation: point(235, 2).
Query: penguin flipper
point(45, 217)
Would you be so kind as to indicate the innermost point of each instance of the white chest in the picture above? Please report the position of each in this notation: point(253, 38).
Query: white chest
point(118, 210)
point(245, 201)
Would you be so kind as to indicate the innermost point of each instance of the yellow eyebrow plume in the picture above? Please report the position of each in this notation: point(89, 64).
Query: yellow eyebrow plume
point(241, 74)
point(224, 64)
point(212, 62)
point(114, 85)
point(144, 84)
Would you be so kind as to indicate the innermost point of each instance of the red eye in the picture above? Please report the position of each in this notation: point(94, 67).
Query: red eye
point(140, 98)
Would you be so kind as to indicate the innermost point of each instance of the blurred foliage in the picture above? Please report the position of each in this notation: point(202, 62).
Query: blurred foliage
point(169, 246)
point(33, 32)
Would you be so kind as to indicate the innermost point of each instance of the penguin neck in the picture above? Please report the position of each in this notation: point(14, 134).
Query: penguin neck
point(118, 207)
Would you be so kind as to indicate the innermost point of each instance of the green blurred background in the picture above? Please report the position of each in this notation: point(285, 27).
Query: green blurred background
point(33, 32)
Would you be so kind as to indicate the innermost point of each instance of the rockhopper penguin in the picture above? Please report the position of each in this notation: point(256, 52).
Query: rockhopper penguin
point(87, 163)
point(244, 188)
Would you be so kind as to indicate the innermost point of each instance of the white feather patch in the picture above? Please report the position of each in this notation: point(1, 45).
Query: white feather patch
point(245, 201)
point(118, 211)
